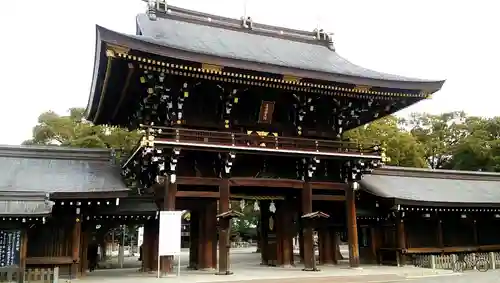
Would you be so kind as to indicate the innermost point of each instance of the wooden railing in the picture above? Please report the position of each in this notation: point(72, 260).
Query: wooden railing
point(270, 141)
point(18, 275)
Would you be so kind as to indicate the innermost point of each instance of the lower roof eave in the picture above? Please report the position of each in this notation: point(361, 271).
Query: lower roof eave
point(133, 42)
point(421, 203)
point(90, 195)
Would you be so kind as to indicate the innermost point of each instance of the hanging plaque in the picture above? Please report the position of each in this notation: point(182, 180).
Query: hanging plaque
point(10, 247)
point(266, 112)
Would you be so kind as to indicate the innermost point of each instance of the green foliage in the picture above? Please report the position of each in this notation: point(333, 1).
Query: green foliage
point(402, 147)
point(449, 141)
point(73, 131)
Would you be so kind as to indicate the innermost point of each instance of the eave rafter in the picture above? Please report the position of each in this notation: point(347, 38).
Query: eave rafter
point(283, 81)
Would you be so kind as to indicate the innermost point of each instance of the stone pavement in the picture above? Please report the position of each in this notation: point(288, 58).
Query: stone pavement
point(245, 264)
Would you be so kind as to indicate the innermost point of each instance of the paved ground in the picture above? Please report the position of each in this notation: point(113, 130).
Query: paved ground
point(245, 264)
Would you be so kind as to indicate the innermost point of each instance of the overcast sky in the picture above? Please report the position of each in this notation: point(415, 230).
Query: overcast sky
point(47, 47)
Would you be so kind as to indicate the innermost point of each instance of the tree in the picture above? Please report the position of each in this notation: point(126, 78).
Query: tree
point(479, 150)
point(401, 147)
point(74, 131)
point(438, 134)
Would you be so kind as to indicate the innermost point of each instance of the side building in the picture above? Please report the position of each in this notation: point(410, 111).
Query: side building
point(53, 198)
point(411, 213)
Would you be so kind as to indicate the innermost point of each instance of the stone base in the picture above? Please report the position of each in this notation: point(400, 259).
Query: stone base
point(224, 273)
point(286, 266)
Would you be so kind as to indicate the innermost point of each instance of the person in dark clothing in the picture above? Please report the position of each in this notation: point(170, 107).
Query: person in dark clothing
point(140, 253)
point(92, 255)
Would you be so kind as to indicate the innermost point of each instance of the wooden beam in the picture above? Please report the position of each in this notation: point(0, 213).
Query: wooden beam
point(258, 182)
point(328, 198)
point(197, 194)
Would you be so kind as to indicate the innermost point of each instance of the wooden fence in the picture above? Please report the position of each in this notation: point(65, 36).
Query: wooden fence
point(46, 275)
point(446, 261)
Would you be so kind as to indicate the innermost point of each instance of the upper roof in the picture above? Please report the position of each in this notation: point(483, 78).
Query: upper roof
point(52, 169)
point(212, 39)
point(433, 187)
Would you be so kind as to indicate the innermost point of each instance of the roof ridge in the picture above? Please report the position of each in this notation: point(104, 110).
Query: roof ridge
point(317, 36)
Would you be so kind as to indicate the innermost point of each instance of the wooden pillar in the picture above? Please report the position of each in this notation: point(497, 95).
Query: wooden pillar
point(75, 247)
point(352, 227)
point(153, 248)
point(194, 225)
point(84, 246)
point(375, 242)
point(307, 230)
point(335, 239)
point(147, 246)
point(170, 190)
point(286, 223)
point(301, 243)
point(207, 229)
point(212, 233)
point(264, 231)
point(23, 249)
point(224, 228)
point(474, 230)
point(401, 239)
point(326, 251)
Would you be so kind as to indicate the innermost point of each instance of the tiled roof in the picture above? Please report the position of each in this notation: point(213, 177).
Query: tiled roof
point(56, 169)
point(461, 188)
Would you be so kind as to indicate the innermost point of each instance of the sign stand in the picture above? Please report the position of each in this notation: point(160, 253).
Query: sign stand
point(169, 242)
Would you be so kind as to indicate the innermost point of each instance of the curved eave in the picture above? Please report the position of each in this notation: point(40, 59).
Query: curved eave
point(152, 45)
point(95, 91)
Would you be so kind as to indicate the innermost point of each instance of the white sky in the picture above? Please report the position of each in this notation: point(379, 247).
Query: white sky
point(47, 47)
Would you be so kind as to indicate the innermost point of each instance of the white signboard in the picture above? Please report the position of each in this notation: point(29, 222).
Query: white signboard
point(170, 233)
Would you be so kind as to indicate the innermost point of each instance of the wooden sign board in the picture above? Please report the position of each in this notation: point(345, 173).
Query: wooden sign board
point(266, 112)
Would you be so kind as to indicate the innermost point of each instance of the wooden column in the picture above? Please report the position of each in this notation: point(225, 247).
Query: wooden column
point(194, 225)
point(352, 227)
point(301, 243)
point(75, 247)
point(224, 228)
point(207, 229)
point(307, 230)
point(375, 242)
point(326, 250)
point(212, 232)
point(440, 233)
point(336, 256)
point(286, 223)
point(401, 239)
point(153, 248)
point(474, 230)
point(264, 231)
point(84, 246)
point(145, 248)
point(23, 249)
point(170, 190)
